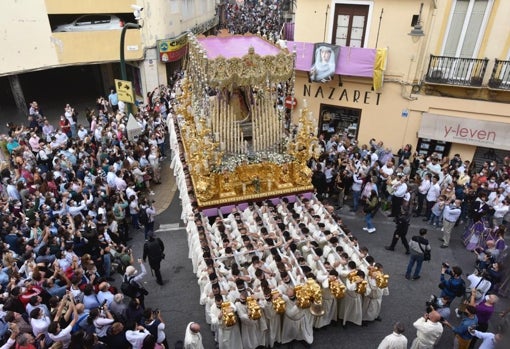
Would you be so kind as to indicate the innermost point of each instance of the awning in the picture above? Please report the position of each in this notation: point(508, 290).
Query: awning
point(465, 131)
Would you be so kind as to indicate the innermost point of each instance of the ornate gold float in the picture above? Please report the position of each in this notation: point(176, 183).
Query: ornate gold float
point(235, 142)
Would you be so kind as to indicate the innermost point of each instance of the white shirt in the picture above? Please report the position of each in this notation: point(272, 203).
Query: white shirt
point(487, 338)
point(428, 333)
point(136, 338)
point(393, 341)
point(433, 192)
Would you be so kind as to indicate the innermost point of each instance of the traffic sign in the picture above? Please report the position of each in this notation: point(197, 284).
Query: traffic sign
point(290, 102)
point(125, 91)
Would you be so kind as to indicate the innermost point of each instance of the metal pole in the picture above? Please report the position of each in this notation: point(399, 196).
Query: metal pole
point(123, 73)
point(326, 23)
point(379, 28)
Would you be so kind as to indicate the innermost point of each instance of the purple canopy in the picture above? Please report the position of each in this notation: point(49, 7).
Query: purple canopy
point(236, 46)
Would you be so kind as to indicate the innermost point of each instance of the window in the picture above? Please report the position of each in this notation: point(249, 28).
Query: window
point(349, 25)
point(188, 9)
point(466, 28)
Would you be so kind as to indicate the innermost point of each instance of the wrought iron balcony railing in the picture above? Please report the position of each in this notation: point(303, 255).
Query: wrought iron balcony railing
point(500, 77)
point(456, 71)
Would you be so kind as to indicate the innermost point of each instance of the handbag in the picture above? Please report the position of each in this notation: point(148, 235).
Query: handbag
point(426, 254)
point(478, 294)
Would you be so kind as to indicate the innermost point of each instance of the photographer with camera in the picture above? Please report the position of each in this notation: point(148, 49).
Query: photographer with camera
point(462, 332)
point(455, 285)
point(484, 311)
point(451, 214)
point(155, 325)
point(55, 331)
point(428, 330)
point(134, 279)
point(441, 305)
point(102, 319)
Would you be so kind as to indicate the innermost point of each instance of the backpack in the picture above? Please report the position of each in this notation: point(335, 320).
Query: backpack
point(129, 288)
point(143, 218)
point(461, 289)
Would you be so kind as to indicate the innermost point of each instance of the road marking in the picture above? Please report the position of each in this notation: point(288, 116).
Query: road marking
point(169, 227)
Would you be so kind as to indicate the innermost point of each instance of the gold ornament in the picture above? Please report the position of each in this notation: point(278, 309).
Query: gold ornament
point(254, 311)
point(278, 302)
point(337, 288)
point(228, 316)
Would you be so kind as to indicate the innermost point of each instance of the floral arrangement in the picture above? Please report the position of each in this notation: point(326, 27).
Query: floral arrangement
point(231, 162)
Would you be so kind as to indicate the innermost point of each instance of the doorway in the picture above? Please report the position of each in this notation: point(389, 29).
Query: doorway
point(337, 119)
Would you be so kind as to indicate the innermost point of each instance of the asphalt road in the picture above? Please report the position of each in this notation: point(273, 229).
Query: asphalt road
point(178, 297)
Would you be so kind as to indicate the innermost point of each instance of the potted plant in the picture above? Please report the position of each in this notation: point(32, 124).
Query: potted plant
point(495, 82)
point(476, 81)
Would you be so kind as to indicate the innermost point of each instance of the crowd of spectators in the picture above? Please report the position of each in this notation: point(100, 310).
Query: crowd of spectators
point(445, 192)
point(72, 195)
point(256, 17)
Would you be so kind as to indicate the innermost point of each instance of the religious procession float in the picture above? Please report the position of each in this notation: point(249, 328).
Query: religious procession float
point(236, 145)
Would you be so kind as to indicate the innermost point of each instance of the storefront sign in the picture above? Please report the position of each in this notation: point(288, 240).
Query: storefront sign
point(466, 131)
point(341, 94)
point(171, 50)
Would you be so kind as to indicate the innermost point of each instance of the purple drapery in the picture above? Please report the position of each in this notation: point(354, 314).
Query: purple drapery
point(352, 61)
point(288, 31)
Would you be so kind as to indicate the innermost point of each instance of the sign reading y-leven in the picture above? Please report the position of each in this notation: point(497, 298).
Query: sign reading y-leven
point(467, 131)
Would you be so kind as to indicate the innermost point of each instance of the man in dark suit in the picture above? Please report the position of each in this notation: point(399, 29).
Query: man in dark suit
point(154, 250)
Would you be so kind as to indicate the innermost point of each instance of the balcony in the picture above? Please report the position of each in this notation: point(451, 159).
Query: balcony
point(466, 72)
point(500, 77)
point(96, 46)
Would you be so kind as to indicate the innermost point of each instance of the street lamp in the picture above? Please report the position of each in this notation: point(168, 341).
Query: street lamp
point(123, 73)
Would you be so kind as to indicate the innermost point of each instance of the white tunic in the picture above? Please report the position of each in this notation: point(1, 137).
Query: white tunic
point(252, 331)
point(427, 332)
point(295, 324)
point(226, 337)
point(373, 300)
point(351, 307)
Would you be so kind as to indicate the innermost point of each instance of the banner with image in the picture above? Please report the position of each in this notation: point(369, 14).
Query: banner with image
point(324, 61)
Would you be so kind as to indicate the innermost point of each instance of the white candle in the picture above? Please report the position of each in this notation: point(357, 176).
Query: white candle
point(305, 103)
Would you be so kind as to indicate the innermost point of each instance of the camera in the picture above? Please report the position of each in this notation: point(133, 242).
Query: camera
point(445, 265)
point(155, 312)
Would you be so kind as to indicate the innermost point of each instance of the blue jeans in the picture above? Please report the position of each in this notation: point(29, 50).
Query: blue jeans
point(107, 264)
point(134, 220)
point(414, 258)
point(355, 200)
point(434, 219)
point(368, 220)
point(148, 227)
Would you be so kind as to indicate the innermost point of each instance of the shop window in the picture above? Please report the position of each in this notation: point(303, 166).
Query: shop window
point(336, 119)
point(350, 24)
point(427, 147)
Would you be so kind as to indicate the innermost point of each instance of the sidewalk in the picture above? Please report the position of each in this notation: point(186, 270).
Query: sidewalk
point(164, 192)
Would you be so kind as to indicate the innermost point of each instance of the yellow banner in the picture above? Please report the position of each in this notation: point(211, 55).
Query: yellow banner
point(125, 91)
